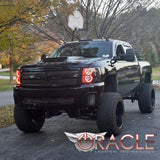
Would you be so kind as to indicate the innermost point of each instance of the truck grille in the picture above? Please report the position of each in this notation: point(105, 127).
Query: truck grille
point(56, 78)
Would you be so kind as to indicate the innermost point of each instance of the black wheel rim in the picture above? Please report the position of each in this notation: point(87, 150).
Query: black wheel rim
point(119, 115)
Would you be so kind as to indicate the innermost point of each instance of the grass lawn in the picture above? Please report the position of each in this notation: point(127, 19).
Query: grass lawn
point(156, 77)
point(157, 69)
point(5, 86)
point(156, 73)
point(6, 116)
point(6, 74)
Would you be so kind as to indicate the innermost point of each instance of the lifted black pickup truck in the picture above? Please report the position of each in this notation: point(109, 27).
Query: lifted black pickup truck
point(86, 79)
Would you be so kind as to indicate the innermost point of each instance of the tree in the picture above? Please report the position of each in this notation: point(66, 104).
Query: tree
point(55, 27)
point(15, 17)
point(18, 20)
point(102, 18)
point(101, 15)
point(16, 46)
point(21, 11)
point(142, 30)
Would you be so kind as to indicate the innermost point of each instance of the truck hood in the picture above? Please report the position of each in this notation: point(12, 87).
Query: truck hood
point(75, 62)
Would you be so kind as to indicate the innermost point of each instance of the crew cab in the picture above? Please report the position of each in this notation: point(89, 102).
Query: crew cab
point(86, 79)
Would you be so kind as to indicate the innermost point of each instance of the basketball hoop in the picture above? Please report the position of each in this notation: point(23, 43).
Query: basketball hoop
point(75, 22)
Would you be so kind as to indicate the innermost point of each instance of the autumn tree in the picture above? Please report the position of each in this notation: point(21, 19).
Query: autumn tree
point(18, 15)
point(15, 17)
point(21, 11)
point(16, 47)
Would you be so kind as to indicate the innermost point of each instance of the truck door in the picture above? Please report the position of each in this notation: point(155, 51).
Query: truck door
point(134, 75)
point(127, 73)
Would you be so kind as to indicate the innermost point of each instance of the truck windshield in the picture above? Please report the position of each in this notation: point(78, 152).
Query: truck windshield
point(85, 49)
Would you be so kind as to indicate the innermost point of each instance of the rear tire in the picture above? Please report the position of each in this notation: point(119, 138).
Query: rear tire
point(28, 121)
point(146, 100)
point(110, 115)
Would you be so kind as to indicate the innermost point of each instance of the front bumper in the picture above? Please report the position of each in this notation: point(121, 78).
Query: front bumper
point(61, 98)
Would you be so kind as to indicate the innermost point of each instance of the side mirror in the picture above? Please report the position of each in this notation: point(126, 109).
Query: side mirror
point(129, 56)
point(43, 56)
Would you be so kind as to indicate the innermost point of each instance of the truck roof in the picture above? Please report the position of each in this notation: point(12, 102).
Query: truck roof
point(111, 40)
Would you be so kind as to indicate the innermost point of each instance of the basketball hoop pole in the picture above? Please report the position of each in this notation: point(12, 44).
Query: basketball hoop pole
point(75, 22)
point(73, 34)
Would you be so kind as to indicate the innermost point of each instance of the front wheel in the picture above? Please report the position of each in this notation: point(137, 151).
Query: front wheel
point(28, 120)
point(110, 115)
point(146, 99)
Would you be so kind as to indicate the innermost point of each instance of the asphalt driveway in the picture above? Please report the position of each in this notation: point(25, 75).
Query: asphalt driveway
point(52, 144)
